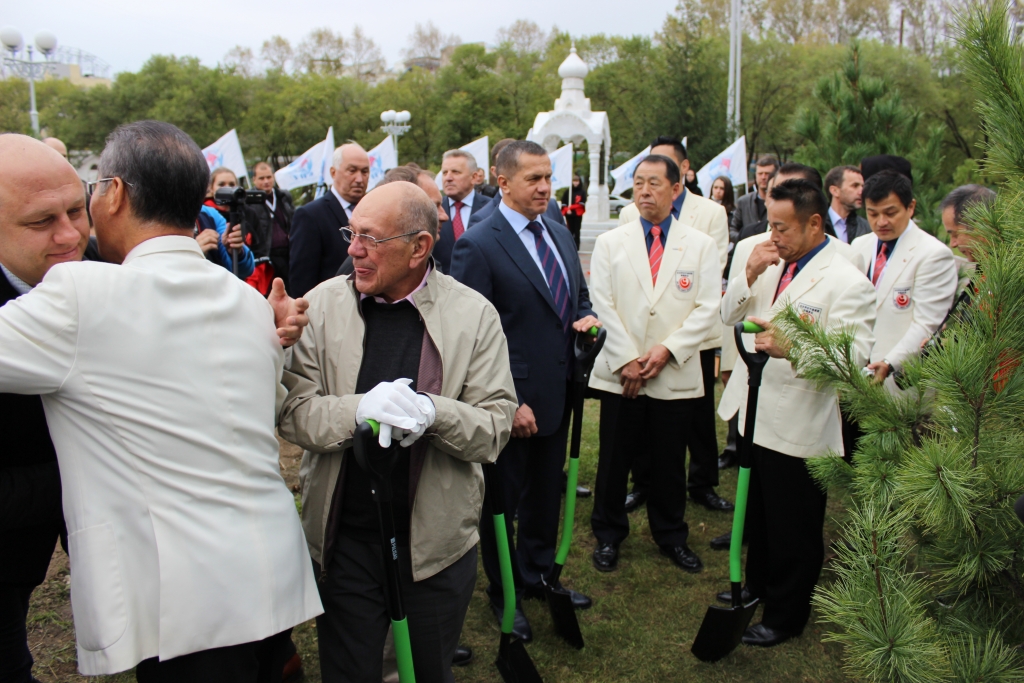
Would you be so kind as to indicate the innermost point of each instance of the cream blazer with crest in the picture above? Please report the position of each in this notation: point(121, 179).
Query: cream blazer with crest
point(678, 311)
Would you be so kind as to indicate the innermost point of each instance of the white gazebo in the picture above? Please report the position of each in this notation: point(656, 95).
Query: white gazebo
point(573, 121)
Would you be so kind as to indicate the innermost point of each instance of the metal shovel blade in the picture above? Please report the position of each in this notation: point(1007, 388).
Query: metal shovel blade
point(563, 614)
point(721, 631)
point(514, 664)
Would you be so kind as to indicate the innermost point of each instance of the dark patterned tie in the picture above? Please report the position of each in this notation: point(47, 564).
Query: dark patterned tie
point(553, 274)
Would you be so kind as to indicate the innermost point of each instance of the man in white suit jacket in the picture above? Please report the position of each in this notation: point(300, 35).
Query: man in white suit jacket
point(709, 218)
point(796, 264)
point(914, 274)
point(160, 381)
point(658, 281)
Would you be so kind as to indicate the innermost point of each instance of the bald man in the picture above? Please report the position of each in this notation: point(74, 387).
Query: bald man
point(317, 246)
point(404, 344)
point(57, 146)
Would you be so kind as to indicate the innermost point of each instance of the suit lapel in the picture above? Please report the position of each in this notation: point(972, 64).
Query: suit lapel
point(675, 247)
point(570, 257)
point(904, 252)
point(337, 209)
point(636, 253)
point(688, 211)
point(516, 250)
point(808, 277)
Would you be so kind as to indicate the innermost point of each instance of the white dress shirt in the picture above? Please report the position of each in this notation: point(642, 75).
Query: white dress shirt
point(839, 224)
point(345, 204)
point(519, 222)
point(467, 207)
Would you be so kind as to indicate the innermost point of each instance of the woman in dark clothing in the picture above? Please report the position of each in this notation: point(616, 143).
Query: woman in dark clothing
point(574, 208)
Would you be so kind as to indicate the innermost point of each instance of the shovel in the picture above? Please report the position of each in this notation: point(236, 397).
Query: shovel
point(513, 662)
point(378, 462)
point(563, 614)
point(723, 627)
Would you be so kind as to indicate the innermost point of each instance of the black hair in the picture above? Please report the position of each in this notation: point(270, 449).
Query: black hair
point(674, 143)
point(807, 197)
point(964, 197)
point(507, 162)
point(768, 160)
point(671, 167)
point(835, 177)
point(808, 173)
point(884, 183)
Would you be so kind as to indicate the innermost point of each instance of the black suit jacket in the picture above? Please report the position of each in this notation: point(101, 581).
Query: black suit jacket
point(492, 259)
point(30, 498)
point(317, 247)
point(554, 213)
point(446, 234)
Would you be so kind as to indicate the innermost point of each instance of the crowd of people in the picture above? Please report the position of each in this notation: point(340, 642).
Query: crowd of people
point(156, 338)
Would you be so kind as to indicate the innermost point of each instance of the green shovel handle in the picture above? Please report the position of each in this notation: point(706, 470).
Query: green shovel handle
point(570, 511)
point(508, 588)
point(739, 516)
point(592, 331)
point(375, 425)
point(403, 651)
point(751, 328)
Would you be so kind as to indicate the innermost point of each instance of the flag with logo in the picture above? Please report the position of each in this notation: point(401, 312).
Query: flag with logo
point(623, 175)
point(328, 161)
point(561, 167)
point(306, 169)
point(732, 163)
point(227, 152)
point(383, 157)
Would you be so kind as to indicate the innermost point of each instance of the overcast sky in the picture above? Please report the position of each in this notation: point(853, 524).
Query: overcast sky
point(125, 33)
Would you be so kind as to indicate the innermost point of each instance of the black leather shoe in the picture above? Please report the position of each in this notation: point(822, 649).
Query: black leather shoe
point(606, 557)
point(583, 492)
point(712, 501)
point(683, 557)
point(463, 655)
point(579, 600)
point(760, 635)
point(635, 499)
point(721, 542)
point(728, 459)
point(520, 627)
point(726, 596)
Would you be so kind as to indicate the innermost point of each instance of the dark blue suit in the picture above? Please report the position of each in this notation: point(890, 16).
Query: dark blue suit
point(553, 213)
point(492, 259)
point(445, 234)
point(317, 247)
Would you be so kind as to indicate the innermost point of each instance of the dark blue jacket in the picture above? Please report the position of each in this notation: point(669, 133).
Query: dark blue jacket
point(317, 247)
point(553, 213)
point(446, 236)
point(492, 259)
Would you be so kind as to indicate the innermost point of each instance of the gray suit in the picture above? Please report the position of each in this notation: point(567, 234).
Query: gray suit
point(750, 209)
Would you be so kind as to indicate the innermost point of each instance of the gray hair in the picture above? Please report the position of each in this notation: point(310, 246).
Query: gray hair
point(164, 171)
point(418, 214)
point(339, 153)
point(462, 154)
point(966, 196)
point(507, 162)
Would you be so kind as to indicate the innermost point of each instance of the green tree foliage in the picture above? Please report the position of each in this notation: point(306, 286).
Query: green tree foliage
point(930, 582)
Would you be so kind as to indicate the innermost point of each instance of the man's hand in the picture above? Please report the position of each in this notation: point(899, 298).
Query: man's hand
point(630, 379)
point(763, 255)
point(881, 370)
point(524, 424)
point(654, 361)
point(584, 324)
point(289, 314)
point(233, 237)
point(769, 341)
point(207, 240)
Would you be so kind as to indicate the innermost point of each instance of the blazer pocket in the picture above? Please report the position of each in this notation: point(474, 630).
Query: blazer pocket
point(807, 430)
point(97, 596)
point(519, 370)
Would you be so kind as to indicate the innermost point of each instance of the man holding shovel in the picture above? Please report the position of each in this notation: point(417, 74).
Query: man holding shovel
point(795, 264)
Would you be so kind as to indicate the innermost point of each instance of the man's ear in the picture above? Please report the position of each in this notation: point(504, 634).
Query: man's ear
point(424, 245)
point(911, 207)
point(117, 196)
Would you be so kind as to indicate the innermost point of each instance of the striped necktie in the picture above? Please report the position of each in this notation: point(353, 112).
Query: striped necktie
point(880, 261)
point(656, 253)
point(787, 277)
point(553, 274)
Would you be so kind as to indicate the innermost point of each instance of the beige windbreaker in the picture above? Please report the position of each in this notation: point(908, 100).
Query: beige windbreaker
point(475, 407)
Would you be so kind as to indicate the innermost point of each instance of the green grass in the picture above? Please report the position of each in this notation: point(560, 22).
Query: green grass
point(643, 621)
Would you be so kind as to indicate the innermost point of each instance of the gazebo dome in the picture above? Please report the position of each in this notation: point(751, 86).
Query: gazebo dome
point(573, 66)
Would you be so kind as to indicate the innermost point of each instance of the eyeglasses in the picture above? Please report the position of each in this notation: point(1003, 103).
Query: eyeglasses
point(369, 242)
point(91, 186)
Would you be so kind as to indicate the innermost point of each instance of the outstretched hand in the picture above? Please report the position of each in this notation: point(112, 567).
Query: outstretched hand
point(289, 314)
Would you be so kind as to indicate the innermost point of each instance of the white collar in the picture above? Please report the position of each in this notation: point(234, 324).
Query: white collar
point(20, 286)
point(164, 243)
point(517, 220)
point(347, 205)
point(466, 201)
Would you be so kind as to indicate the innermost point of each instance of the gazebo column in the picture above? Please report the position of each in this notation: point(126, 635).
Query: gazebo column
point(594, 188)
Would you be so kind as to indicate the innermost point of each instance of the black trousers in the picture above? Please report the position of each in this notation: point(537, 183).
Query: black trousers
point(257, 662)
point(703, 439)
point(785, 521)
point(15, 659)
point(660, 429)
point(531, 485)
point(352, 630)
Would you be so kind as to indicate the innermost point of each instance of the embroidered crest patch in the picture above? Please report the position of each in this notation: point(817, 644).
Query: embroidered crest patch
point(901, 298)
point(809, 313)
point(685, 280)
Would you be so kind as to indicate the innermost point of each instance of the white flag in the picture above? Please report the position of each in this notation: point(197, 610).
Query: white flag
point(732, 163)
point(325, 166)
point(561, 167)
point(227, 152)
point(480, 149)
point(382, 158)
point(312, 167)
point(623, 175)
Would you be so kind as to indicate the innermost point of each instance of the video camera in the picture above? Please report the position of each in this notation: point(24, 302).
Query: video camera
point(235, 198)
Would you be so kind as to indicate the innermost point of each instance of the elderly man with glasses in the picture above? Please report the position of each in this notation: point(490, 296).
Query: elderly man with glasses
point(399, 342)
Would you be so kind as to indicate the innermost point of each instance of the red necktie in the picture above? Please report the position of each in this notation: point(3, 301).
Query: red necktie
point(656, 252)
point(880, 261)
point(457, 226)
point(787, 277)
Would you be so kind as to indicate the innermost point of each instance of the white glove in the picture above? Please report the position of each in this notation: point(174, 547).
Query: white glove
point(394, 405)
point(428, 412)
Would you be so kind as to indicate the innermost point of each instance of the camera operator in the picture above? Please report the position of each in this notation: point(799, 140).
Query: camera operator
point(273, 223)
point(214, 217)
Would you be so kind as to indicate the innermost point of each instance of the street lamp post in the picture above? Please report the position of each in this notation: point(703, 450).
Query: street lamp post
point(27, 68)
point(396, 124)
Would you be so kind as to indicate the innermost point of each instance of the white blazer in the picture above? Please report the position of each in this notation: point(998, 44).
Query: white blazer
point(677, 312)
point(793, 416)
point(707, 217)
point(159, 380)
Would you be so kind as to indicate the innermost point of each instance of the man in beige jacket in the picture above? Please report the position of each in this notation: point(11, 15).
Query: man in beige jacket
point(396, 319)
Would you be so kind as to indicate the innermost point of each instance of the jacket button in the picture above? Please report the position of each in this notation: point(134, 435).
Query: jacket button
point(652, 312)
